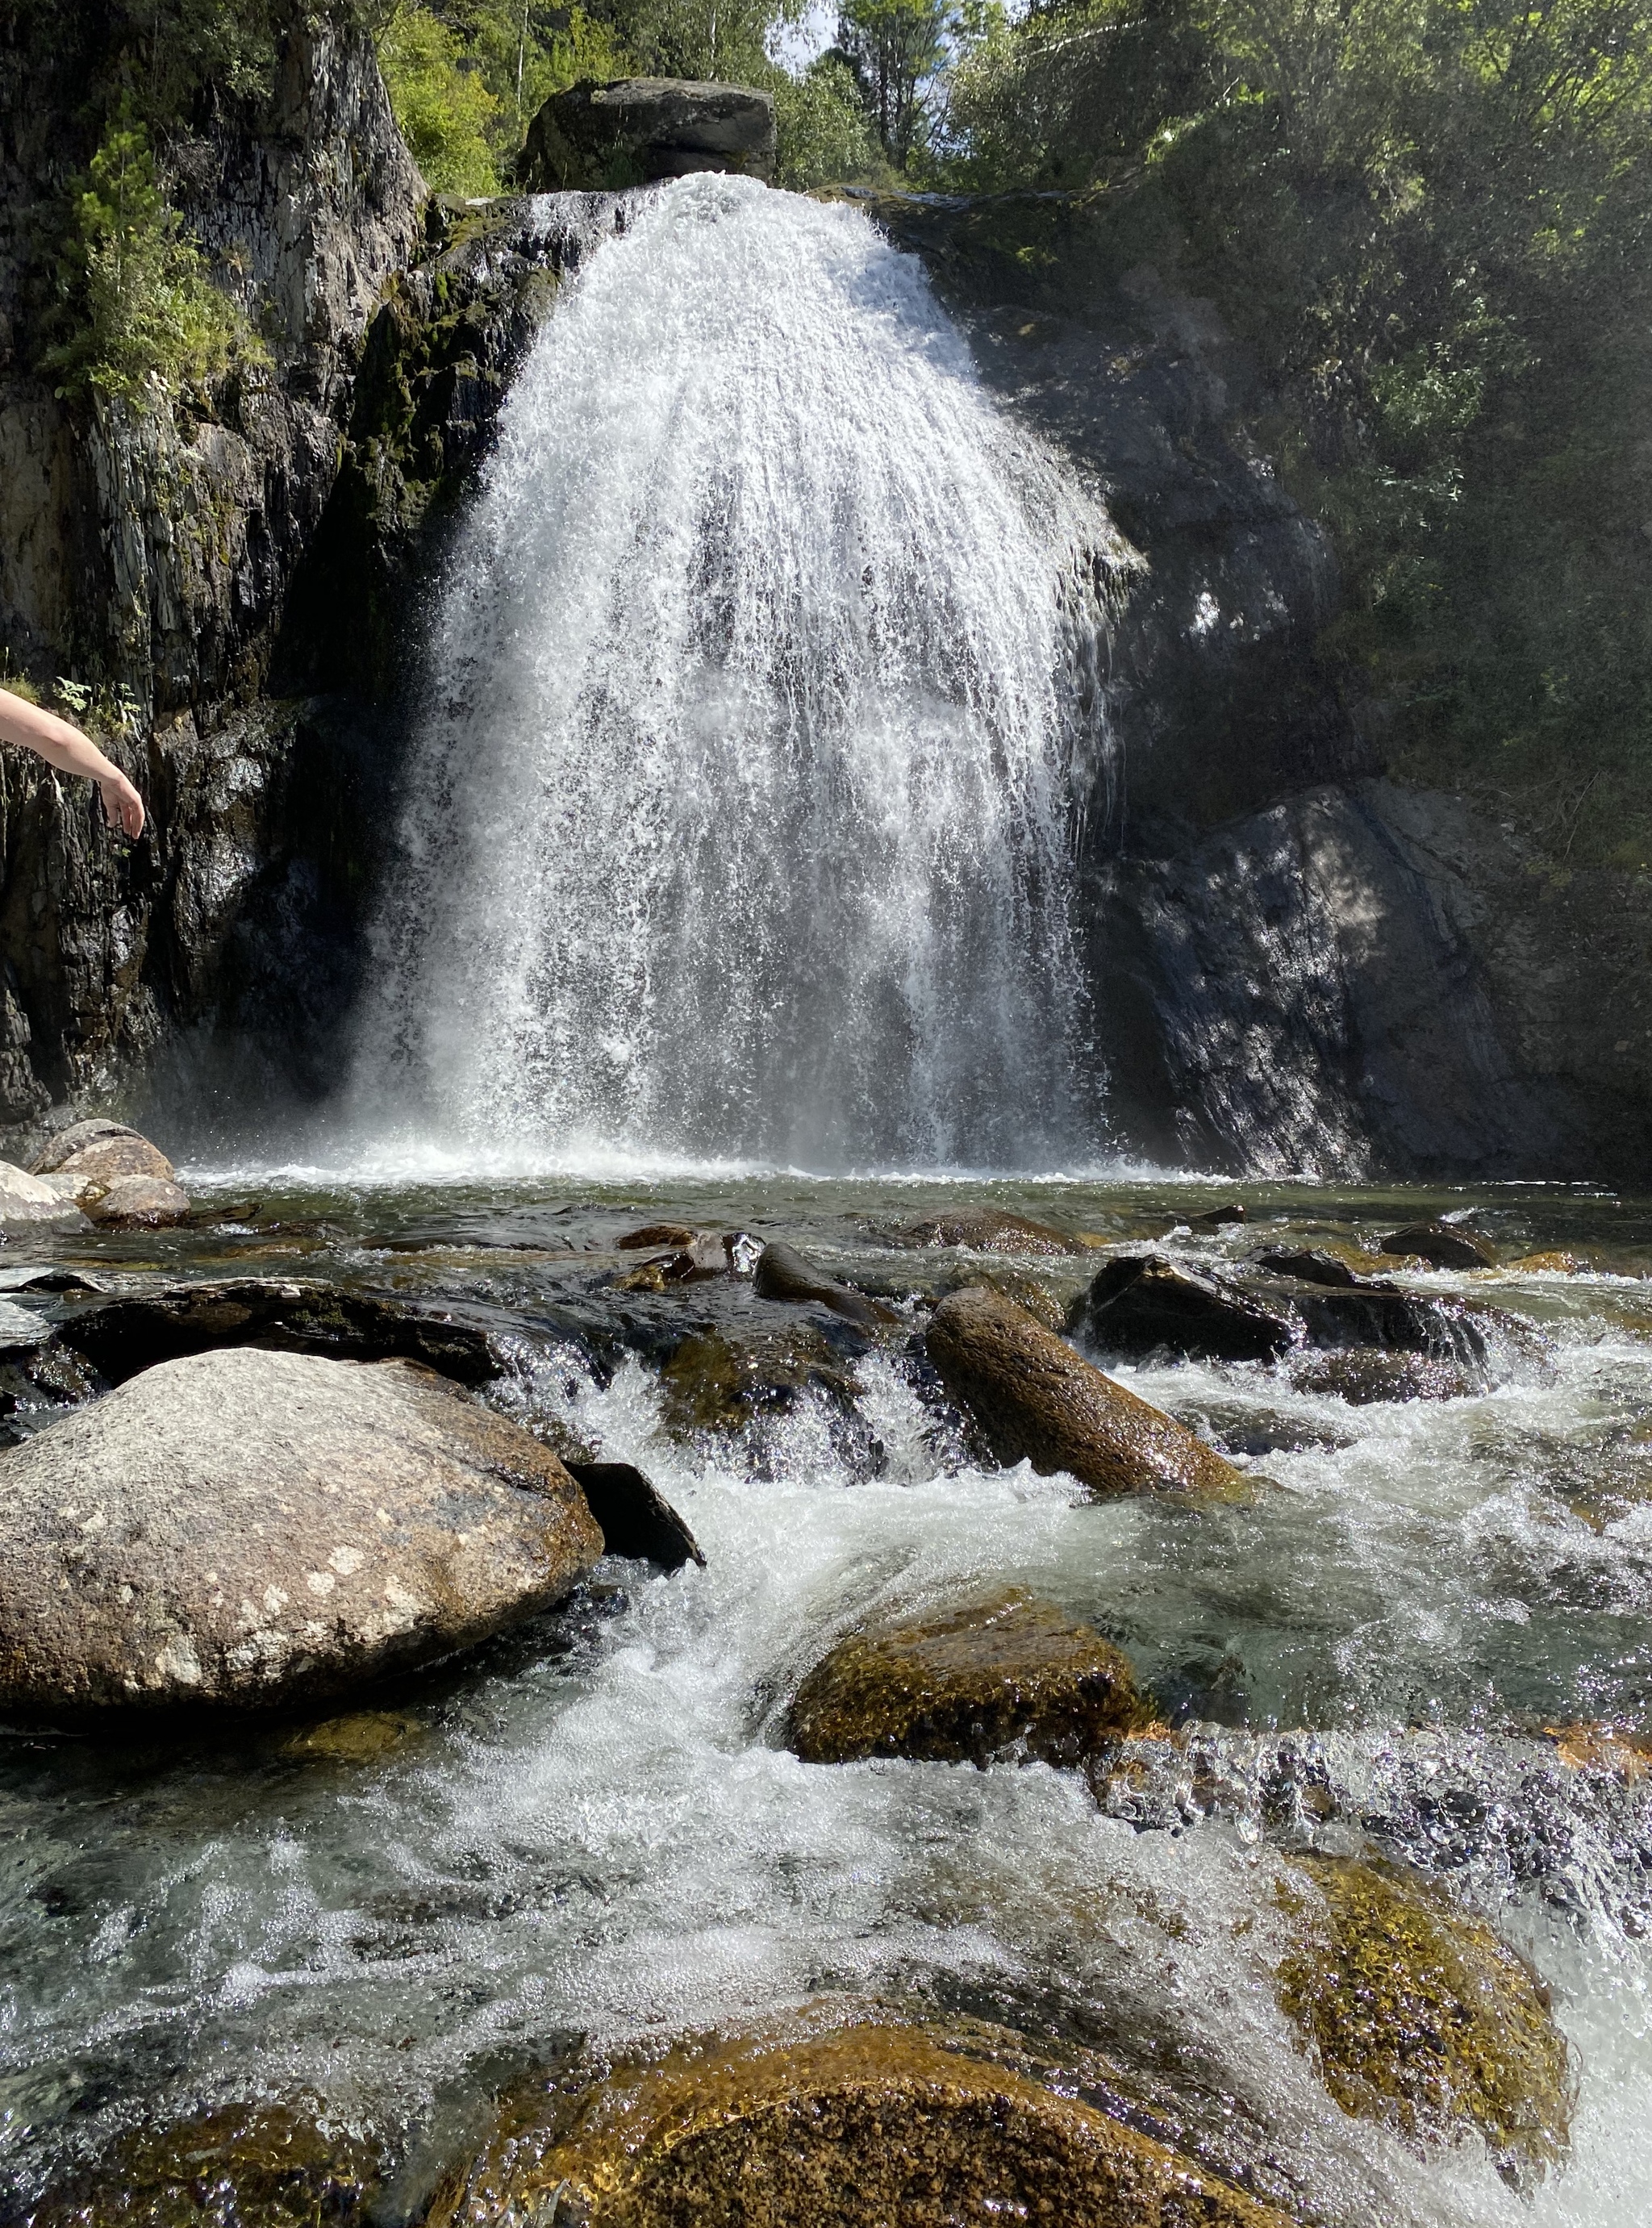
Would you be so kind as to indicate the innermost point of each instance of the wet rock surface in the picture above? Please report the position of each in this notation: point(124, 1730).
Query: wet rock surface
point(1036, 1400)
point(1014, 1675)
point(1364, 1374)
point(784, 1273)
point(1140, 1305)
point(633, 1518)
point(990, 1230)
point(127, 1335)
point(816, 2120)
point(249, 2166)
point(1442, 1246)
point(247, 1530)
point(1421, 2017)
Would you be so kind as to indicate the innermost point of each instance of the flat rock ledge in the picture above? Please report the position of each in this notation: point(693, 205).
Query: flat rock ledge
point(246, 1530)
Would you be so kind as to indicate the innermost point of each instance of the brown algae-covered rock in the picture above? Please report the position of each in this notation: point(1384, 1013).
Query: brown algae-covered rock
point(1442, 1246)
point(1421, 2017)
point(1011, 1674)
point(1141, 1304)
point(874, 2124)
point(1036, 1400)
point(248, 1530)
point(244, 2166)
point(1362, 1375)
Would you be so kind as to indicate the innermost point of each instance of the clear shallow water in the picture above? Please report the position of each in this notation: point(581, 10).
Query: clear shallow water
point(593, 1828)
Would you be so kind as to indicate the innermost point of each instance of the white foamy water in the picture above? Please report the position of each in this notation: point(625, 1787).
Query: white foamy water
point(739, 826)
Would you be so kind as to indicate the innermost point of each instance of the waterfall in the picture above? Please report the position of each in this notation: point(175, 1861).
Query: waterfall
point(738, 821)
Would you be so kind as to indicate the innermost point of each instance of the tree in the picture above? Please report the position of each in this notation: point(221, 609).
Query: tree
point(896, 50)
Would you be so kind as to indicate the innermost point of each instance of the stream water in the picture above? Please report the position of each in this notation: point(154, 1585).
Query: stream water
point(593, 1826)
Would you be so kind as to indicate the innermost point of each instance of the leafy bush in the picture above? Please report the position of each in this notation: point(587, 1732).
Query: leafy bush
point(441, 102)
point(144, 312)
point(824, 136)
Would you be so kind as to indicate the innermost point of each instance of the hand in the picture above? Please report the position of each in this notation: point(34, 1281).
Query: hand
point(122, 805)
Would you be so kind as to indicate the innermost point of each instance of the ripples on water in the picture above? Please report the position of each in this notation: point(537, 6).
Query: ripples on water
point(593, 1828)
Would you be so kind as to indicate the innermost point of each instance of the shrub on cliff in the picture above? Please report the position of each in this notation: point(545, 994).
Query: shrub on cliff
point(143, 309)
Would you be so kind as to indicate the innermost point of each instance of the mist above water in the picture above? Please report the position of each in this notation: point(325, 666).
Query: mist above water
point(739, 824)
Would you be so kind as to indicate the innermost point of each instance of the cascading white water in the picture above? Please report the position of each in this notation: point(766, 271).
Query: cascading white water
point(739, 824)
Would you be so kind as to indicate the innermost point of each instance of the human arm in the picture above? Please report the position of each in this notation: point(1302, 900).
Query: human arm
point(69, 751)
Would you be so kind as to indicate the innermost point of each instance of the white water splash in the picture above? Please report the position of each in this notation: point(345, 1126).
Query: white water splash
point(740, 824)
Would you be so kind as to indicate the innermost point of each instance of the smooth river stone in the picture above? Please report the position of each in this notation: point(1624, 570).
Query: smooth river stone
point(242, 1529)
point(26, 1199)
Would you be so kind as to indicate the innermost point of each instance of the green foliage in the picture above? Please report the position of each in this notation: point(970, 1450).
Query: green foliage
point(441, 102)
point(145, 312)
point(896, 48)
point(1429, 221)
point(726, 39)
point(823, 133)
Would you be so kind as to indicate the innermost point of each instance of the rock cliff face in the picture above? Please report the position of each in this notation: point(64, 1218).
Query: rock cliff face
point(149, 552)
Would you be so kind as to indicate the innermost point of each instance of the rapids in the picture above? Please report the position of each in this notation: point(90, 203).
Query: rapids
point(593, 1828)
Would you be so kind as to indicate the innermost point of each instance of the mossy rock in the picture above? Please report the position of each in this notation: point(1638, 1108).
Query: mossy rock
point(1422, 2018)
point(712, 1383)
point(244, 2166)
point(1011, 1674)
point(817, 2122)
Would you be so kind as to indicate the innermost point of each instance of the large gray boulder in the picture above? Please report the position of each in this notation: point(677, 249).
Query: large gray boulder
point(240, 1529)
point(637, 130)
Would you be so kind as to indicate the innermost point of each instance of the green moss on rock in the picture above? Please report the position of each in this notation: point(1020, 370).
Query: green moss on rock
point(1422, 2018)
point(1009, 1673)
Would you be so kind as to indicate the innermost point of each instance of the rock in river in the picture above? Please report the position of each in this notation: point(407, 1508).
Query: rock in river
point(247, 1530)
point(991, 1230)
point(135, 1202)
point(1442, 1246)
point(1010, 1674)
point(25, 1199)
point(1141, 1304)
point(782, 1273)
point(1036, 1400)
point(825, 2120)
point(1420, 2016)
point(244, 2166)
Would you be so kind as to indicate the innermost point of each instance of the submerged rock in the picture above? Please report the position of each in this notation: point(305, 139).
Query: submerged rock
point(244, 2166)
point(861, 2121)
point(1441, 1244)
point(715, 1382)
point(1036, 1400)
point(1421, 2017)
point(784, 1273)
point(1010, 1674)
point(25, 1199)
point(132, 1335)
point(991, 1230)
point(653, 1234)
point(1363, 1375)
point(249, 1530)
point(135, 1202)
point(1141, 1304)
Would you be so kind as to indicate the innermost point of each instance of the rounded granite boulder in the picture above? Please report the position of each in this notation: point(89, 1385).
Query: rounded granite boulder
point(240, 1529)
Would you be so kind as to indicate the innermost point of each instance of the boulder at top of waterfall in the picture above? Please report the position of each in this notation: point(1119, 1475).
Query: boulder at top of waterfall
point(1442, 1246)
point(25, 1199)
point(248, 1530)
point(1420, 2016)
point(784, 1273)
point(1141, 1303)
point(636, 130)
point(842, 2112)
point(1009, 1675)
point(135, 1202)
point(991, 1230)
point(243, 2166)
point(1036, 1400)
